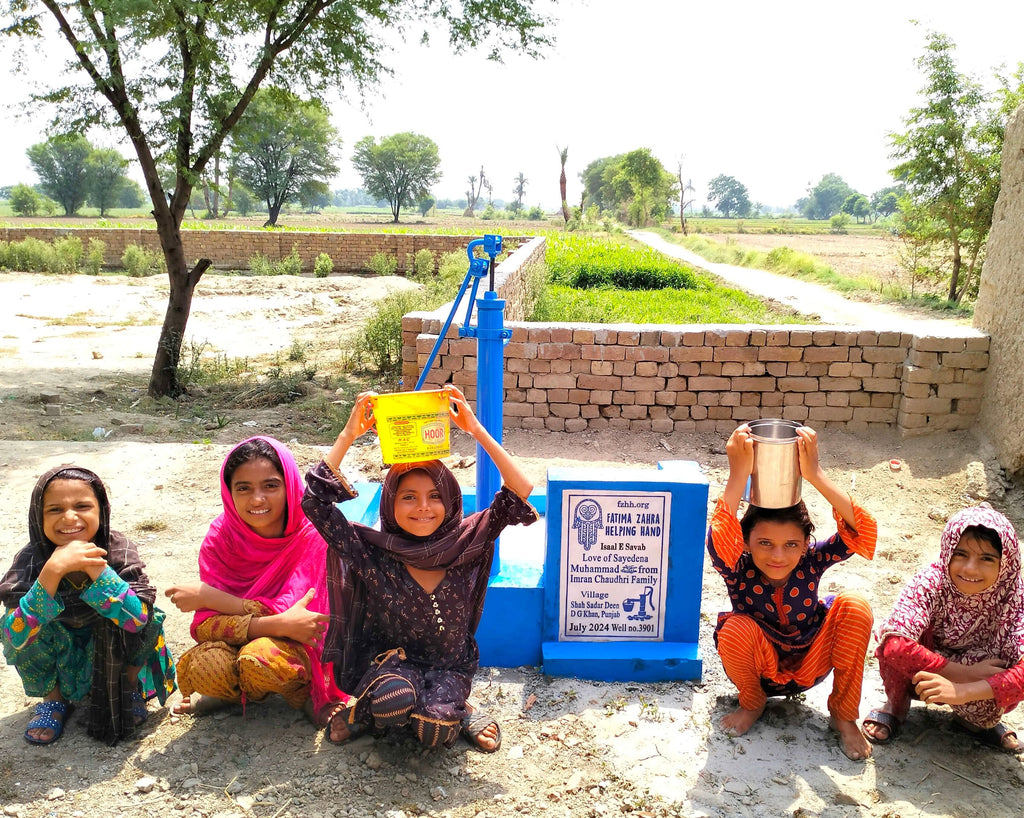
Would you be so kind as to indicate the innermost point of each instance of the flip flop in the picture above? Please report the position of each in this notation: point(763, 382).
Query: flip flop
point(992, 736)
point(882, 719)
point(44, 720)
point(474, 725)
point(355, 729)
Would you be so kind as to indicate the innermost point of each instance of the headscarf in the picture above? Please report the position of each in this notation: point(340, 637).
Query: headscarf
point(110, 705)
point(455, 542)
point(970, 627)
point(275, 571)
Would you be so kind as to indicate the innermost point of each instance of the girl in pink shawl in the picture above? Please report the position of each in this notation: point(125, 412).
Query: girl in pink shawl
point(956, 634)
point(261, 604)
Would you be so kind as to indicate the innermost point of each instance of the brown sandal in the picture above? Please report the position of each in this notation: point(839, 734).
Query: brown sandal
point(474, 725)
point(346, 712)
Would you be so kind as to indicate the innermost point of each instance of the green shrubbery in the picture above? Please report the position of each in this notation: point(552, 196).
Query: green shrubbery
point(291, 265)
point(383, 264)
point(323, 266)
point(35, 256)
point(138, 261)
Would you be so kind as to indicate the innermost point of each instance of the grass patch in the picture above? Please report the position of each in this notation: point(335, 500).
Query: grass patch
point(601, 281)
point(614, 306)
point(149, 526)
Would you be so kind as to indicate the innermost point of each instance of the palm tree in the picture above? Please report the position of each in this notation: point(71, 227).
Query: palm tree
point(563, 153)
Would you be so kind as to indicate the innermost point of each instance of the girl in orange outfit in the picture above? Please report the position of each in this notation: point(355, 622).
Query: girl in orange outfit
point(780, 638)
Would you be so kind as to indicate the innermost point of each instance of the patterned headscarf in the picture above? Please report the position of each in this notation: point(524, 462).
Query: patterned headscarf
point(110, 706)
point(970, 627)
point(275, 571)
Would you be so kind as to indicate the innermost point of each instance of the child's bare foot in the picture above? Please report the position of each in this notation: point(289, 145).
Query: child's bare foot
point(740, 720)
point(196, 705)
point(852, 742)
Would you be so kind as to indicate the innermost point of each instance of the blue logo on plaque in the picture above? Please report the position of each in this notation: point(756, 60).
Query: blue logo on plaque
point(644, 601)
point(586, 521)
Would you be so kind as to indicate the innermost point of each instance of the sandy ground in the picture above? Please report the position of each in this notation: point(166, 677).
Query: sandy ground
point(571, 747)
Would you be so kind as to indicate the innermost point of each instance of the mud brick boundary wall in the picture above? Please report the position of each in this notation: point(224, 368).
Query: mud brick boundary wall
point(572, 377)
point(232, 249)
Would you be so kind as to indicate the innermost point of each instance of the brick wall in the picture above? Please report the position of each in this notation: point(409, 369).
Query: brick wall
point(572, 377)
point(232, 249)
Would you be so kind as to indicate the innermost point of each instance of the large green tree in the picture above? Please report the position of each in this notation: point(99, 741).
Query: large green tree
point(826, 198)
point(634, 185)
point(401, 169)
point(175, 78)
point(105, 176)
point(61, 165)
point(729, 196)
point(948, 158)
point(280, 144)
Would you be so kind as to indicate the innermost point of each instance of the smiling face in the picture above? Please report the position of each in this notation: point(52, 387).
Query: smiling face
point(258, 492)
point(974, 565)
point(776, 548)
point(419, 509)
point(70, 512)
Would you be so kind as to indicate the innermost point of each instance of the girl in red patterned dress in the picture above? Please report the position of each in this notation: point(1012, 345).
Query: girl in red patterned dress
point(956, 634)
point(780, 638)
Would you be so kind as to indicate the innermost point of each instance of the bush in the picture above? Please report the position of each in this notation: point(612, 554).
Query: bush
point(35, 256)
point(382, 264)
point(323, 266)
point(94, 257)
point(291, 265)
point(423, 263)
point(260, 265)
point(25, 201)
point(489, 213)
point(380, 339)
point(138, 261)
point(535, 214)
point(837, 224)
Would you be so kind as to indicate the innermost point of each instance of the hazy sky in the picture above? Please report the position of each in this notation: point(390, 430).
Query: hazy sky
point(774, 94)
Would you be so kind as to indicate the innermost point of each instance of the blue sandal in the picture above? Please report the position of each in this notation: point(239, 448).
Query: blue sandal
point(44, 720)
point(139, 710)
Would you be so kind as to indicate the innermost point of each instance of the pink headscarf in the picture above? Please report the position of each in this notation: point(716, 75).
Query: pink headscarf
point(965, 627)
point(275, 571)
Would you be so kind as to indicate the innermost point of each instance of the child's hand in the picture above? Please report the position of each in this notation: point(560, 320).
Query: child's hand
point(78, 555)
point(460, 411)
point(807, 452)
point(932, 688)
point(185, 597)
point(361, 420)
point(740, 451)
point(301, 624)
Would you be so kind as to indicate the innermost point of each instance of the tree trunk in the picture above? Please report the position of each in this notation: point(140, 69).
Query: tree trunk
point(273, 211)
point(954, 277)
point(163, 380)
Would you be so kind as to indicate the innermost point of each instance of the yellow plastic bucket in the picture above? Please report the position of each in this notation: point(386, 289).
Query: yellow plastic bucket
point(413, 426)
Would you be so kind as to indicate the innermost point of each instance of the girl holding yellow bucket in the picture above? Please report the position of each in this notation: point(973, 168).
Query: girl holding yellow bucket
point(406, 600)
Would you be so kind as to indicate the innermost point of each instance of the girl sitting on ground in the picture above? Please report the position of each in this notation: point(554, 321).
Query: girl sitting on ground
point(780, 638)
point(956, 634)
point(406, 600)
point(81, 620)
point(261, 602)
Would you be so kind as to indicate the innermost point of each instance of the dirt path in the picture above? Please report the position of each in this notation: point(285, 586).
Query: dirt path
point(571, 747)
point(811, 299)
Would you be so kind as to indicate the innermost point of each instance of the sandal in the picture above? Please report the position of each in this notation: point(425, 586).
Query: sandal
point(44, 719)
point(139, 710)
point(474, 724)
point(880, 718)
point(346, 712)
point(992, 736)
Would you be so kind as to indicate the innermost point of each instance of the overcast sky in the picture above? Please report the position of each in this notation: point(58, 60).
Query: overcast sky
point(775, 95)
